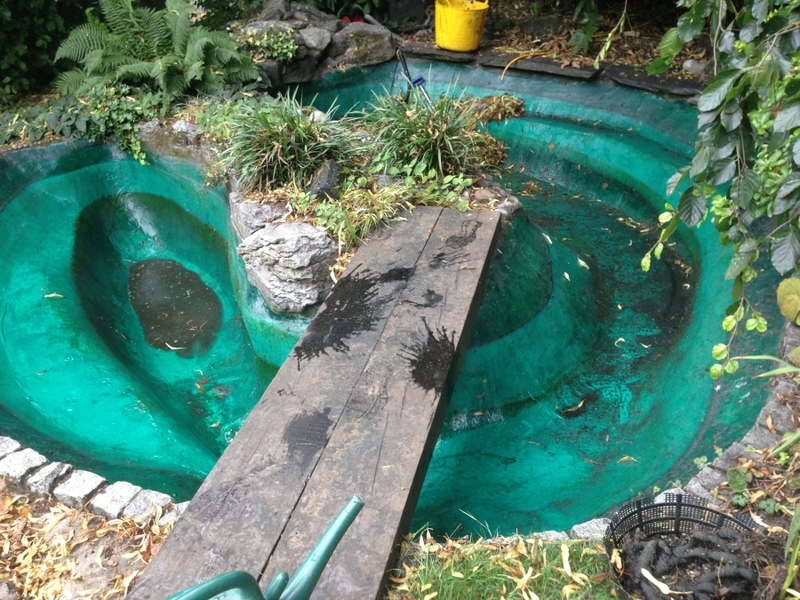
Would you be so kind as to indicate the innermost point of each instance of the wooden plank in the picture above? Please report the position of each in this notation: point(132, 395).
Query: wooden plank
point(383, 441)
point(240, 512)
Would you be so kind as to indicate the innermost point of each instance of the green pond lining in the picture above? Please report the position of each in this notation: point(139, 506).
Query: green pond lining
point(585, 381)
point(87, 374)
point(597, 385)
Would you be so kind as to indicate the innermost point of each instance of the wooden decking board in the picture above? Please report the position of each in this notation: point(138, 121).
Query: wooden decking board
point(355, 409)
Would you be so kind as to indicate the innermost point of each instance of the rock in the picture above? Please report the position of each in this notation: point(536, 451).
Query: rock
point(173, 514)
point(145, 503)
point(553, 536)
point(7, 592)
point(729, 458)
point(78, 488)
point(362, 44)
point(326, 180)
point(188, 130)
point(760, 437)
point(300, 71)
point(249, 217)
point(289, 264)
point(315, 38)
point(110, 502)
point(257, 28)
point(310, 15)
point(271, 72)
point(150, 127)
point(509, 207)
point(383, 180)
point(317, 116)
point(484, 195)
point(695, 67)
point(662, 497)
point(44, 480)
point(590, 530)
point(695, 488)
point(8, 445)
point(775, 413)
point(15, 466)
point(274, 10)
point(709, 478)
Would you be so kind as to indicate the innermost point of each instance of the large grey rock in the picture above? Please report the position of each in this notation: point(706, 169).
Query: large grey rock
point(302, 70)
point(43, 480)
point(289, 264)
point(315, 38)
point(110, 502)
point(249, 217)
point(274, 10)
point(78, 488)
point(590, 530)
point(258, 28)
point(362, 44)
point(145, 503)
point(776, 414)
point(696, 488)
point(760, 437)
point(8, 445)
point(15, 466)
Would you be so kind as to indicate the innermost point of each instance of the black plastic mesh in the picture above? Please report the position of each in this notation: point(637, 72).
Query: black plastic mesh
point(678, 513)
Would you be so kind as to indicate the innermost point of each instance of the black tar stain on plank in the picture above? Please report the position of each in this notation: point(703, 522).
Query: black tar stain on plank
point(430, 358)
point(306, 434)
point(353, 307)
point(177, 310)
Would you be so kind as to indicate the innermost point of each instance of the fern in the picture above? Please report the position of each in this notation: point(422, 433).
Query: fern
point(157, 50)
point(82, 40)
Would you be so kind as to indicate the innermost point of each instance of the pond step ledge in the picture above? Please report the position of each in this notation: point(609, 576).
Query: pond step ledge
point(355, 409)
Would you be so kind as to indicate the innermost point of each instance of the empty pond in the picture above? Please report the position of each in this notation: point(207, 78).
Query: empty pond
point(132, 344)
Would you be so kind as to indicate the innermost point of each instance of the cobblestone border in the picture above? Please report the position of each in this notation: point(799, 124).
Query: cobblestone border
point(26, 471)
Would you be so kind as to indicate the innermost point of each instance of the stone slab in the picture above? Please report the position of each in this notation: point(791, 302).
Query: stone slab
point(8, 445)
point(590, 530)
point(44, 480)
point(110, 502)
point(78, 488)
point(430, 51)
point(638, 78)
point(15, 466)
point(145, 503)
point(537, 65)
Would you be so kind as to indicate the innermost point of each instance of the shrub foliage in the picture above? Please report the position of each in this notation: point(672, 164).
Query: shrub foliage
point(159, 49)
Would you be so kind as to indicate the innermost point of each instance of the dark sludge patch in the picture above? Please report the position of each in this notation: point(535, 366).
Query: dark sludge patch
point(353, 307)
point(430, 358)
point(176, 309)
point(306, 434)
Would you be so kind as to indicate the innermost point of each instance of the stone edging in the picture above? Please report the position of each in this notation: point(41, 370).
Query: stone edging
point(26, 471)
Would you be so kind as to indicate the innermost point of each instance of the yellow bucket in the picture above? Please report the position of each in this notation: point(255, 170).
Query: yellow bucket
point(459, 24)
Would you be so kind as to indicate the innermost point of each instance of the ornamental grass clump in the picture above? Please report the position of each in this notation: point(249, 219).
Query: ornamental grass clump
point(281, 144)
point(418, 135)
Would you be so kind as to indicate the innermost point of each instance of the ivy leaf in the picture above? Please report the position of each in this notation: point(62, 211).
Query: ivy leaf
point(743, 257)
point(737, 479)
point(784, 252)
point(690, 23)
point(744, 188)
point(659, 65)
point(691, 208)
point(750, 31)
point(789, 298)
point(788, 117)
point(796, 152)
point(714, 95)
